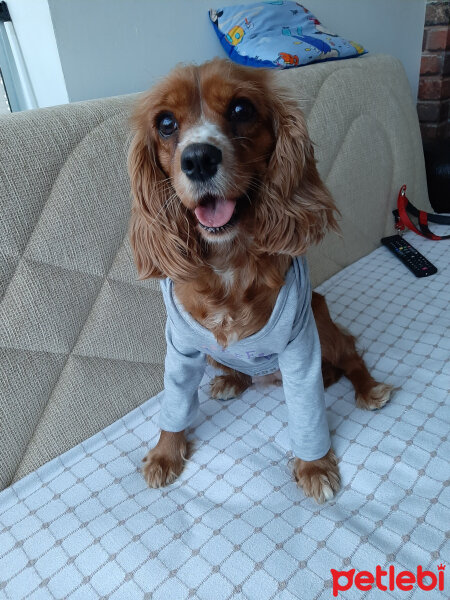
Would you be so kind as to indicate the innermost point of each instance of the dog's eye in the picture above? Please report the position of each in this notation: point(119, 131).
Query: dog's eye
point(241, 110)
point(166, 124)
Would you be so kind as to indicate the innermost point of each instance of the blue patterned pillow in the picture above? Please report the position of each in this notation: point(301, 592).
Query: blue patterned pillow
point(278, 34)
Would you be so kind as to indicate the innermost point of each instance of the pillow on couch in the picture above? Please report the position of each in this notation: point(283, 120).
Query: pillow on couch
point(278, 34)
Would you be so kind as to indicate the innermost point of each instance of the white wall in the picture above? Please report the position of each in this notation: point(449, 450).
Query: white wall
point(382, 26)
point(34, 29)
point(111, 47)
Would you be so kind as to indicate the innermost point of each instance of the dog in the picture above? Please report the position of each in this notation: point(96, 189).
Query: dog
point(226, 201)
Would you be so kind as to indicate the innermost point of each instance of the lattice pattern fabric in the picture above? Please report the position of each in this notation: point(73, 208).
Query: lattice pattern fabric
point(234, 524)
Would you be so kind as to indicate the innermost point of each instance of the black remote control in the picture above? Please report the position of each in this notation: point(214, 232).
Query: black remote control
point(410, 257)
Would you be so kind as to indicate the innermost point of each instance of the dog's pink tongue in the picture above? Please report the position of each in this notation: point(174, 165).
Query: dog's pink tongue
point(215, 212)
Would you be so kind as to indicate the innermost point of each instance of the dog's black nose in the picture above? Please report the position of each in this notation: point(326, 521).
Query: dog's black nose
point(200, 161)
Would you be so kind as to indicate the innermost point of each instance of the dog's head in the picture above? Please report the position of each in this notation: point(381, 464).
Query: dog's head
point(221, 155)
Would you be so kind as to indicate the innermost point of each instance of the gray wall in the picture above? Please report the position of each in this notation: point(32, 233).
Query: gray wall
point(82, 49)
point(110, 47)
point(383, 26)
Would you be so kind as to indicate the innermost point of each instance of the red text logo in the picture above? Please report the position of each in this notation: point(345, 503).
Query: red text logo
point(388, 580)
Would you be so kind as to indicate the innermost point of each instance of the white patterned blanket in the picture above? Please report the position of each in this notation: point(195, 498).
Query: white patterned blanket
point(235, 525)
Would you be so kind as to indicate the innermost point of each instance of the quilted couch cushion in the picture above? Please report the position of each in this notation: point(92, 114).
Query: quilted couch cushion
point(81, 340)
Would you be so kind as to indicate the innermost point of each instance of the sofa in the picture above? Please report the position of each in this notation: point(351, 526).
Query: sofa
point(82, 340)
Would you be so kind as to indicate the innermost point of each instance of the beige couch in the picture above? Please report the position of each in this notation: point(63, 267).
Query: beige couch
point(81, 340)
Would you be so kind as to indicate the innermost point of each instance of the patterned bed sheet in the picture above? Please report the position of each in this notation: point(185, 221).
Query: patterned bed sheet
point(234, 524)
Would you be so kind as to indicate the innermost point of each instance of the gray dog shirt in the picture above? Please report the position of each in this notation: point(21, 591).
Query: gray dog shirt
point(289, 342)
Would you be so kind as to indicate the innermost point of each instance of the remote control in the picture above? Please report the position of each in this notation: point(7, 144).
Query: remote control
point(410, 257)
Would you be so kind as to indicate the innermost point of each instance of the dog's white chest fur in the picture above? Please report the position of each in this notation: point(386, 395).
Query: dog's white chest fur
point(226, 275)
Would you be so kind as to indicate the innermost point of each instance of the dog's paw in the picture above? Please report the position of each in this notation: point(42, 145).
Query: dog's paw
point(375, 398)
point(160, 470)
point(225, 387)
point(262, 381)
point(165, 462)
point(320, 478)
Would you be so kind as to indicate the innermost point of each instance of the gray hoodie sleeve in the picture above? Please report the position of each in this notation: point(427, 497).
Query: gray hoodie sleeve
point(301, 368)
point(184, 369)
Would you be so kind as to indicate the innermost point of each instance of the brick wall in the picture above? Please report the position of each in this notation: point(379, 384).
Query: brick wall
point(433, 103)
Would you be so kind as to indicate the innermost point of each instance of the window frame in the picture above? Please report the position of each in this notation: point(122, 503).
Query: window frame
point(16, 81)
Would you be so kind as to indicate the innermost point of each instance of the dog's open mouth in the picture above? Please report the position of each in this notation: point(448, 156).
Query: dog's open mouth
point(216, 214)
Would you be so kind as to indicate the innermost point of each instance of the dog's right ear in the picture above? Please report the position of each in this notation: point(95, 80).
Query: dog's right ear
point(147, 180)
point(161, 228)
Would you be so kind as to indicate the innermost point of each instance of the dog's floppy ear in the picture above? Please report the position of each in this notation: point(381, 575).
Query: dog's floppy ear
point(145, 178)
point(159, 227)
point(296, 209)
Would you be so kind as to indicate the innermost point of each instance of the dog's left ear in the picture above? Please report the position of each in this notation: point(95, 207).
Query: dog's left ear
point(296, 209)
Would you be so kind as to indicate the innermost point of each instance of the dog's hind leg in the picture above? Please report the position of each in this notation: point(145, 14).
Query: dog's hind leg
point(340, 357)
point(229, 385)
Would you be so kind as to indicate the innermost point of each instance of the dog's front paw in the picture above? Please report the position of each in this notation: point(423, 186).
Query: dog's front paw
point(225, 387)
point(375, 398)
point(320, 478)
point(165, 462)
point(160, 470)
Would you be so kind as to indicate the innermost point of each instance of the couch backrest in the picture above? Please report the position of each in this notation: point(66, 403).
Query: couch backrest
point(81, 340)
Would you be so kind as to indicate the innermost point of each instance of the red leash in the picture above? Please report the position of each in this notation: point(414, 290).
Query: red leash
point(402, 219)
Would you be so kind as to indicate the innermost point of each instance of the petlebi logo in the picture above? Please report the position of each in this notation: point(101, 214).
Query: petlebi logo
point(388, 579)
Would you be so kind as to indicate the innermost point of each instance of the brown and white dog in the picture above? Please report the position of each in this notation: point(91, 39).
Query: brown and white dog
point(226, 191)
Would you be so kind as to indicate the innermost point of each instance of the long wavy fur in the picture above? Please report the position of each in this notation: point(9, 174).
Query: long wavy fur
point(162, 230)
point(295, 209)
point(292, 210)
